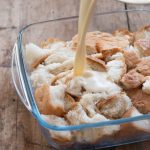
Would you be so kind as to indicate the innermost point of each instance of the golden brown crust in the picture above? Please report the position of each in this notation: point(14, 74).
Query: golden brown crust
point(96, 64)
point(132, 79)
point(140, 100)
point(144, 67)
point(44, 102)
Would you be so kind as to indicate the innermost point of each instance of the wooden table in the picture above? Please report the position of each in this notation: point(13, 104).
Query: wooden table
point(18, 129)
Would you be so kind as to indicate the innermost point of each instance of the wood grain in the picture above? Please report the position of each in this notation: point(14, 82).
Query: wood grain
point(18, 129)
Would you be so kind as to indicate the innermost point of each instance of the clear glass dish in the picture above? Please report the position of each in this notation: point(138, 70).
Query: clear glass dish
point(39, 31)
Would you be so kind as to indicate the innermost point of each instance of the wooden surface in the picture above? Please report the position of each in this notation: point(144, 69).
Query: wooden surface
point(18, 129)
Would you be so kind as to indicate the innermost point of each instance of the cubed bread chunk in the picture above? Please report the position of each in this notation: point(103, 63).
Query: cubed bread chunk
point(40, 76)
point(50, 99)
point(115, 106)
point(132, 79)
point(140, 100)
point(35, 55)
point(146, 86)
point(60, 136)
point(132, 57)
point(144, 67)
point(78, 116)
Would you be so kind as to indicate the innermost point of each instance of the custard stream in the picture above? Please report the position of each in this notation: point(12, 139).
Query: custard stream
point(86, 7)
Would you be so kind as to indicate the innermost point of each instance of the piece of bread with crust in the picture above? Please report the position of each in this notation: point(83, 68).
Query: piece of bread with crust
point(142, 33)
point(91, 41)
point(116, 69)
point(124, 33)
point(144, 67)
point(59, 136)
point(40, 76)
point(96, 64)
point(69, 102)
point(146, 85)
point(110, 43)
point(89, 101)
point(132, 57)
point(114, 106)
point(135, 129)
point(132, 79)
point(78, 116)
point(143, 45)
point(52, 43)
point(35, 55)
point(140, 100)
point(50, 99)
point(56, 68)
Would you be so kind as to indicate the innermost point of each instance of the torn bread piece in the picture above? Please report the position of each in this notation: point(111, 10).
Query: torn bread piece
point(114, 106)
point(52, 43)
point(142, 33)
point(35, 55)
point(96, 64)
point(144, 67)
point(56, 68)
point(143, 45)
point(91, 41)
point(132, 79)
point(133, 129)
point(40, 76)
point(89, 101)
point(124, 33)
point(146, 85)
point(78, 85)
point(60, 55)
point(78, 116)
point(116, 69)
point(140, 100)
point(59, 136)
point(132, 57)
point(60, 78)
point(69, 102)
point(50, 99)
point(110, 43)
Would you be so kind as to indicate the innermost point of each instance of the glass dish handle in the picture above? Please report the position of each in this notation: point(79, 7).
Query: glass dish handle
point(16, 77)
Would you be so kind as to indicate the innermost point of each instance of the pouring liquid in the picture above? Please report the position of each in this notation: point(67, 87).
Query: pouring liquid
point(86, 7)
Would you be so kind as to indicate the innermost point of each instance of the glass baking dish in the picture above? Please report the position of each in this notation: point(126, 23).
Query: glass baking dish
point(40, 31)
